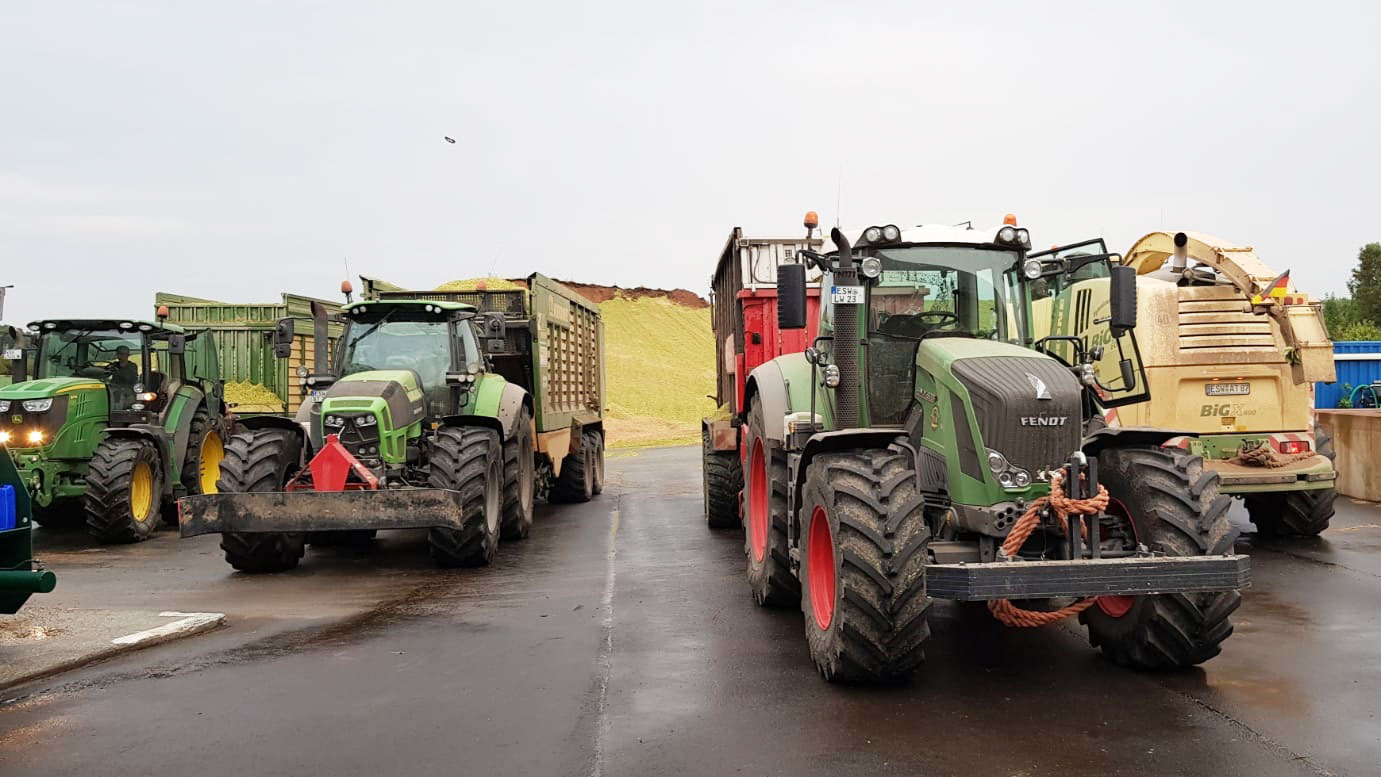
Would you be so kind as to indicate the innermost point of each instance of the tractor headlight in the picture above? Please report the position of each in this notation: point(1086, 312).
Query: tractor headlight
point(1007, 235)
point(4, 406)
point(4, 438)
point(366, 420)
point(872, 235)
point(1024, 239)
point(36, 437)
point(334, 420)
point(831, 379)
point(1021, 478)
point(38, 405)
point(891, 233)
point(1031, 268)
point(871, 267)
point(996, 461)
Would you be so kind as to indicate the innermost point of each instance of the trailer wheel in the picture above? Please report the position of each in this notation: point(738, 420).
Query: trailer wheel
point(597, 483)
point(260, 460)
point(574, 484)
point(863, 559)
point(123, 490)
point(468, 459)
point(1296, 513)
point(518, 479)
point(723, 476)
point(765, 520)
point(1168, 502)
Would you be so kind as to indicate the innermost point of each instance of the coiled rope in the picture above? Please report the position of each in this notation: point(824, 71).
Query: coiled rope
point(1011, 615)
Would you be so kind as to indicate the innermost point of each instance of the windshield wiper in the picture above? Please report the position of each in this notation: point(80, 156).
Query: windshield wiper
point(371, 329)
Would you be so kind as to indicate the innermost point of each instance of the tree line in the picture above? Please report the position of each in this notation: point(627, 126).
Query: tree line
point(1358, 317)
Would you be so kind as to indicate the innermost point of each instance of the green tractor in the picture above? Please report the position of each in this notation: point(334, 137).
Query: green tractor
point(20, 575)
point(928, 446)
point(110, 420)
point(412, 429)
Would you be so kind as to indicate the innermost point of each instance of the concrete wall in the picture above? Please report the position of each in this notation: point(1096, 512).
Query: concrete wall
point(1357, 437)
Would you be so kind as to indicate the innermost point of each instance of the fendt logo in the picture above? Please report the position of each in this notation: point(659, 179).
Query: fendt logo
point(1226, 409)
point(1044, 420)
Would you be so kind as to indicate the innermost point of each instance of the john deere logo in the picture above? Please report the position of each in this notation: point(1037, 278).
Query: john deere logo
point(16, 419)
point(1042, 392)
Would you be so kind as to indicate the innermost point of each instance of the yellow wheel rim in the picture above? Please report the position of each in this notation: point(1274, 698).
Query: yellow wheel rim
point(141, 491)
point(212, 451)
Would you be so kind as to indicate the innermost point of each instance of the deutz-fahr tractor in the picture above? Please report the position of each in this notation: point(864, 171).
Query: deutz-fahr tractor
point(110, 420)
point(410, 430)
point(928, 446)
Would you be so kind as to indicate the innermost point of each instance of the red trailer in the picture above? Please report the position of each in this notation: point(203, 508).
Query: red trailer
point(743, 295)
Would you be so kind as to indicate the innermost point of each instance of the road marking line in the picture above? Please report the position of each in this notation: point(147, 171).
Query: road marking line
point(187, 623)
point(606, 654)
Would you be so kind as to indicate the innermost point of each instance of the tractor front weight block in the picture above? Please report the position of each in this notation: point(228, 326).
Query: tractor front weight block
point(976, 582)
point(304, 511)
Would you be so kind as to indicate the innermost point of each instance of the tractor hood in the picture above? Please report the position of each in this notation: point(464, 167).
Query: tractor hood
point(397, 392)
point(47, 387)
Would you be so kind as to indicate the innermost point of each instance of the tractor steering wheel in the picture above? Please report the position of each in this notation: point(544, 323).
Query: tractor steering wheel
point(915, 325)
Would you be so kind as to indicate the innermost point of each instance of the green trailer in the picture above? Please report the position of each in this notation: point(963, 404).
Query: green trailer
point(20, 575)
point(437, 412)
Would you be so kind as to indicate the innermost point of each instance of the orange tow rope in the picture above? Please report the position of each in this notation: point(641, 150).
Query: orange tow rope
point(1003, 609)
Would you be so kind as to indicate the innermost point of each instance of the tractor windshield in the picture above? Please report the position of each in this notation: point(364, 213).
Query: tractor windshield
point(112, 356)
point(421, 346)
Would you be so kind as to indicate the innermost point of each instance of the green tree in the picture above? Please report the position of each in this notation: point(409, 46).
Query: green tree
point(1338, 313)
point(1365, 283)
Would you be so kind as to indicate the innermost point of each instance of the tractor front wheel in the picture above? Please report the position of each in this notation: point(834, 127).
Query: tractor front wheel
point(863, 560)
point(723, 479)
point(518, 480)
point(260, 460)
point(765, 520)
point(1168, 502)
point(469, 460)
point(201, 466)
point(124, 489)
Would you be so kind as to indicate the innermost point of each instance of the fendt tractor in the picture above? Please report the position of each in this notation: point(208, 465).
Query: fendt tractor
point(1232, 353)
point(111, 420)
point(21, 576)
point(929, 446)
point(437, 415)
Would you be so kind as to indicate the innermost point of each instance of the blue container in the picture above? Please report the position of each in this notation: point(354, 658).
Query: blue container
point(1358, 362)
point(9, 513)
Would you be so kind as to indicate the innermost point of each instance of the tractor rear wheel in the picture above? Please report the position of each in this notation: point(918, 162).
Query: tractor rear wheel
point(468, 459)
point(863, 560)
point(201, 467)
point(1296, 513)
point(1170, 504)
point(765, 520)
point(124, 489)
point(723, 476)
point(260, 460)
point(575, 483)
point(518, 480)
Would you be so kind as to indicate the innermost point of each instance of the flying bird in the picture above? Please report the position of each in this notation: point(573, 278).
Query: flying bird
point(449, 139)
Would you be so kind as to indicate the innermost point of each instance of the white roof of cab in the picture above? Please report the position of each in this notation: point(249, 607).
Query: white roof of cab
point(932, 233)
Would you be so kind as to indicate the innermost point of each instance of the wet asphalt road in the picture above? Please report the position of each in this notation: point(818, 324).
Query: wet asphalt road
point(620, 640)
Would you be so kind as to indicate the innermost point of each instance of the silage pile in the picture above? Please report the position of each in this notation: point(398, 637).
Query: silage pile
point(252, 398)
point(474, 284)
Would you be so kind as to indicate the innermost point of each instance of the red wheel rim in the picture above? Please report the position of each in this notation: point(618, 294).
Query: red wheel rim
point(820, 555)
point(757, 503)
point(1118, 606)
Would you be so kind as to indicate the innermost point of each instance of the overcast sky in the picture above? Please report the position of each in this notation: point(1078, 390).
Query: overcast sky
point(233, 150)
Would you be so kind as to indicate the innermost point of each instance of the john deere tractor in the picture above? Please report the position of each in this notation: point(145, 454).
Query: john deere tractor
point(110, 420)
point(410, 429)
point(928, 446)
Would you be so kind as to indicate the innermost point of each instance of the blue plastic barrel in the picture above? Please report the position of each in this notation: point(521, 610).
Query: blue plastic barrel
point(1358, 362)
point(9, 512)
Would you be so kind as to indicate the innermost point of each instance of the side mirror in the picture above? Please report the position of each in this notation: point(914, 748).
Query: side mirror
point(283, 338)
point(177, 344)
point(791, 296)
point(1122, 300)
point(812, 355)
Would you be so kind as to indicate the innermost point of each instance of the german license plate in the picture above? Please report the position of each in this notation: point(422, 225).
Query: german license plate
point(1227, 389)
point(846, 295)
point(12, 354)
point(318, 394)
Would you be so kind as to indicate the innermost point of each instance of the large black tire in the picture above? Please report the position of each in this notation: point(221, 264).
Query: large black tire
point(260, 460)
point(863, 558)
point(124, 490)
point(518, 480)
point(201, 464)
point(468, 459)
point(765, 520)
point(575, 483)
point(1296, 513)
point(1175, 508)
point(723, 476)
point(597, 482)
